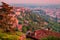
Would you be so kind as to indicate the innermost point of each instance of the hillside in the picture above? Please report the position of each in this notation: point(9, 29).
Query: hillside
point(34, 21)
point(31, 21)
point(15, 25)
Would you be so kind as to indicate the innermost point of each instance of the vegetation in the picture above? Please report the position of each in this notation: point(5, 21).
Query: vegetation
point(11, 36)
point(8, 24)
point(29, 39)
point(50, 38)
point(31, 21)
point(5, 36)
point(51, 23)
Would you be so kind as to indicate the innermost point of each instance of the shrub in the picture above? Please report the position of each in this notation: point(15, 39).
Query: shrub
point(50, 38)
point(10, 36)
point(5, 36)
point(29, 39)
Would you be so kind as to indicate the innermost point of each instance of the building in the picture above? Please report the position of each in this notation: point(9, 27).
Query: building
point(43, 33)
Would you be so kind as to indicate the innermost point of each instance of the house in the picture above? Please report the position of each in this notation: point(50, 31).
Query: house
point(43, 33)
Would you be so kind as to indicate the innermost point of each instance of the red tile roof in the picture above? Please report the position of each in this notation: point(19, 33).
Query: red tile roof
point(45, 33)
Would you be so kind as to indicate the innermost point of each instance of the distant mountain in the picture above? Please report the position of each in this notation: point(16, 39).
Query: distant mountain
point(26, 5)
point(34, 6)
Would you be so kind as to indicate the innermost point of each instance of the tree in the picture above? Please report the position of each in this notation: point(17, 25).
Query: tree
point(7, 21)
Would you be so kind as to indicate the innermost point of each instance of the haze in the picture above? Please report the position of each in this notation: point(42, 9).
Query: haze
point(38, 2)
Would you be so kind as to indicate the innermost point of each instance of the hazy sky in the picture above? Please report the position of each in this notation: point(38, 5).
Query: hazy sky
point(38, 2)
